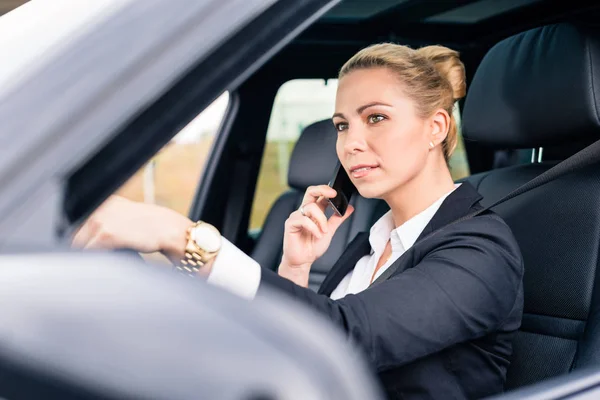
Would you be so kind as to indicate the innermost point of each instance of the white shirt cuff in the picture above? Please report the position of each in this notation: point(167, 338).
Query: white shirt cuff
point(234, 271)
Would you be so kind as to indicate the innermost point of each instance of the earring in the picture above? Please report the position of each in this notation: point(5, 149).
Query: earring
point(431, 145)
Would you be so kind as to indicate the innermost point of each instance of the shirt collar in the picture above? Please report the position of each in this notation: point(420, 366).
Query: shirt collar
point(380, 232)
point(405, 236)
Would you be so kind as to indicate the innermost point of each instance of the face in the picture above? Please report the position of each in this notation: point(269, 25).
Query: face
point(382, 142)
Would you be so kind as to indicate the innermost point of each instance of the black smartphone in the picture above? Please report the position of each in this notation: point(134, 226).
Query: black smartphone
point(345, 189)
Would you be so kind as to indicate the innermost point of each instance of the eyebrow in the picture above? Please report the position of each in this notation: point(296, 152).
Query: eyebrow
point(360, 109)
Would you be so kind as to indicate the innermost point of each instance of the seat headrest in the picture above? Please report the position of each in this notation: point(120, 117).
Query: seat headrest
point(535, 89)
point(314, 158)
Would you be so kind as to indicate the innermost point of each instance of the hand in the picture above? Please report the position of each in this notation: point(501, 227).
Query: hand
point(146, 228)
point(308, 236)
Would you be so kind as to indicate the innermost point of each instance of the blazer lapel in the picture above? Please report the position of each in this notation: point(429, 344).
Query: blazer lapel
point(458, 204)
point(358, 248)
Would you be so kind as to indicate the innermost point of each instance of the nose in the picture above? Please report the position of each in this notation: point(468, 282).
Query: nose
point(355, 141)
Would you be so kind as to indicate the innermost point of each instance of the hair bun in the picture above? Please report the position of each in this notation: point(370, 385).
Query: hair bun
point(448, 64)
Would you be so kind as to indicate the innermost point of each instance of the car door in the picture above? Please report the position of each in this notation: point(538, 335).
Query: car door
point(101, 89)
point(88, 94)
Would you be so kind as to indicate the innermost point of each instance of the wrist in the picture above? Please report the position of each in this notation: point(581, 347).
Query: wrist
point(174, 237)
point(191, 246)
point(296, 273)
point(207, 268)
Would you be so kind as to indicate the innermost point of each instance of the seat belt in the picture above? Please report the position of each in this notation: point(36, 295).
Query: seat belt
point(583, 158)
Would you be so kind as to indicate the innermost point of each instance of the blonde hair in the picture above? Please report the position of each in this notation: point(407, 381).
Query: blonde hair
point(433, 77)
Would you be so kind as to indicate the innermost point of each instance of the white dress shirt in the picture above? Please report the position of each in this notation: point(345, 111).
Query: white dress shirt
point(235, 271)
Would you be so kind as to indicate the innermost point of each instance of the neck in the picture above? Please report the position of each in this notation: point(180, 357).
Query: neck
point(419, 193)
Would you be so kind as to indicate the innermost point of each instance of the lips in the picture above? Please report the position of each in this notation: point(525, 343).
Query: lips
point(362, 170)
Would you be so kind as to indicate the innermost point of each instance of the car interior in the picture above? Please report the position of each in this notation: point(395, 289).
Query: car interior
point(531, 102)
point(533, 70)
point(558, 332)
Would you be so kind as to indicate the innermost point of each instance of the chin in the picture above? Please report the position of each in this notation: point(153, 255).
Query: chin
point(371, 191)
point(379, 189)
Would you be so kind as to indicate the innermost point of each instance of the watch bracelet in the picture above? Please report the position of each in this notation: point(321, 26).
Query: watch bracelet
point(190, 265)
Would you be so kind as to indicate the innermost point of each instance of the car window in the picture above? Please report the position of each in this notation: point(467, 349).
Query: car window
point(299, 103)
point(171, 177)
point(459, 164)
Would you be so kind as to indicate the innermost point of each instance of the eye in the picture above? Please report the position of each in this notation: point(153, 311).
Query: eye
point(375, 118)
point(342, 126)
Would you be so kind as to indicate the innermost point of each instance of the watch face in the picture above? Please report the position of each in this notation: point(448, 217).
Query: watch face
point(207, 238)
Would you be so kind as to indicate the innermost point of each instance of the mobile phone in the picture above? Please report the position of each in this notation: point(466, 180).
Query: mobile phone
point(345, 189)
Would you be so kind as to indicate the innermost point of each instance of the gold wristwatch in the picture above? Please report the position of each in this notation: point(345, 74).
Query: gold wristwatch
point(203, 244)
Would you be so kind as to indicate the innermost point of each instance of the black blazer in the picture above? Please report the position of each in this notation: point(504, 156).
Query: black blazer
point(442, 325)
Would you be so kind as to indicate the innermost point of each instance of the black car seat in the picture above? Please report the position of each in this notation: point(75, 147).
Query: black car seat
point(537, 89)
point(313, 162)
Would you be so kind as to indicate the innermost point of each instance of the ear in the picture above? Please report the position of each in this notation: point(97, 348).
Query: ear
point(440, 124)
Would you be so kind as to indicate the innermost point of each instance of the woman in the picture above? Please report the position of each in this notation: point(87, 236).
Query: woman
point(434, 305)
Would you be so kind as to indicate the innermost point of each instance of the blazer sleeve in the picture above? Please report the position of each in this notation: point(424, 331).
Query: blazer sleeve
point(461, 290)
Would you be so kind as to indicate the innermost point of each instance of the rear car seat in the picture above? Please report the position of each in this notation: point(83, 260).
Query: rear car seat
point(540, 89)
point(313, 162)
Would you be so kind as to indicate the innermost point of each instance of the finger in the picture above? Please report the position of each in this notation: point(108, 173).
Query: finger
point(314, 212)
point(335, 220)
point(323, 203)
point(95, 243)
point(83, 235)
point(313, 193)
point(101, 239)
point(299, 222)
